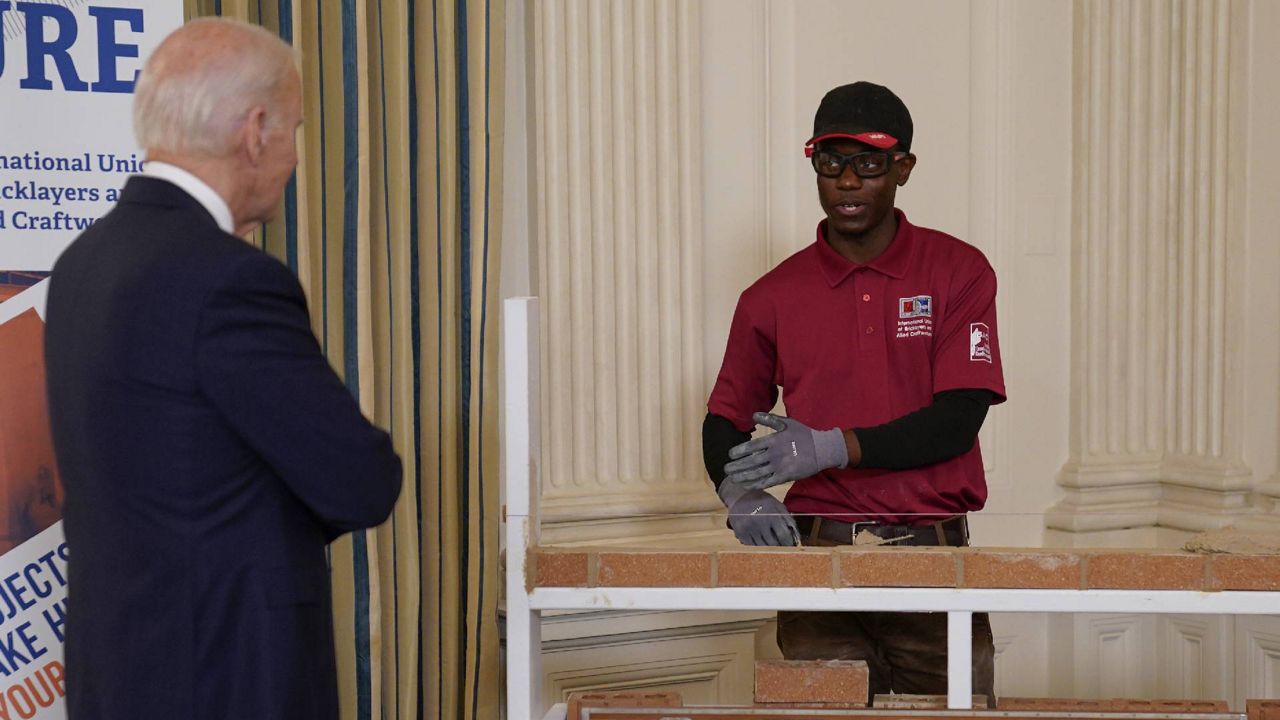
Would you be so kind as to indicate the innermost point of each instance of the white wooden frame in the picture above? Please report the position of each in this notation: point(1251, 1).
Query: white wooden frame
point(525, 605)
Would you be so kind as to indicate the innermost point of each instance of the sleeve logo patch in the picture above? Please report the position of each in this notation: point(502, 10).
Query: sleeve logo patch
point(979, 342)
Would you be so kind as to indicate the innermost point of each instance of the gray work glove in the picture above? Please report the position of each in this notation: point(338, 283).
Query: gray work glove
point(792, 452)
point(757, 518)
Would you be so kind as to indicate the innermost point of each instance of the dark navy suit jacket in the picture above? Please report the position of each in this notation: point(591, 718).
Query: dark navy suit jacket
point(209, 454)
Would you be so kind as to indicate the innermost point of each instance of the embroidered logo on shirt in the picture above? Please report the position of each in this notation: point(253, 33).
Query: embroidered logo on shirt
point(915, 316)
point(979, 342)
point(915, 307)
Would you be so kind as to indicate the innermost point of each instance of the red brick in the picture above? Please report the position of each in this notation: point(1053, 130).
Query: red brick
point(654, 569)
point(1021, 569)
point(897, 567)
point(774, 568)
point(1112, 705)
point(1244, 572)
point(561, 569)
point(809, 681)
point(1137, 570)
point(621, 699)
point(1263, 709)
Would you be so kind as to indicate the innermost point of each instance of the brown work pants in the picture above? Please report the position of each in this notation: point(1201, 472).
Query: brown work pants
point(905, 652)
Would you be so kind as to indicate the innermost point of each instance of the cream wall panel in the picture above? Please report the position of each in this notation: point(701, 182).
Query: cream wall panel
point(1261, 341)
point(1257, 662)
point(1019, 193)
point(1193, 657)
point(738, 170)
point(1021, 660)
point(927, 76)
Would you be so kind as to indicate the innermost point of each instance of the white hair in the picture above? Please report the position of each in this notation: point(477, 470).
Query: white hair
point(191, 97)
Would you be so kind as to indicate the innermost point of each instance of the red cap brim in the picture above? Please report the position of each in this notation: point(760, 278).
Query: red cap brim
point(880, 140)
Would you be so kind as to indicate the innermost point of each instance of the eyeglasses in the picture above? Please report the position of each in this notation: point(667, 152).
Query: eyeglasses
point(828, 163)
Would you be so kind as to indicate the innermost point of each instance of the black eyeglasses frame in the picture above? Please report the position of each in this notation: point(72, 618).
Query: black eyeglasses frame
point(848, 161)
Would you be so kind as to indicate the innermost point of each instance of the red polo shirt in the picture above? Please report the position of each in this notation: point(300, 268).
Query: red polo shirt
point(859, 345)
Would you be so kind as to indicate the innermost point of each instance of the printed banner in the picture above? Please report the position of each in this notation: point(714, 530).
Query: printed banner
point(66, 128)
point(67, 73)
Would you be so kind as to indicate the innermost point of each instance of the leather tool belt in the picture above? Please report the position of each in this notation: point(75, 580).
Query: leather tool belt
point(952, 532)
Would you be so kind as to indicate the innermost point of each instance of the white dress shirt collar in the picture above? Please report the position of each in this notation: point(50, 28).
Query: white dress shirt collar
point(196, 188)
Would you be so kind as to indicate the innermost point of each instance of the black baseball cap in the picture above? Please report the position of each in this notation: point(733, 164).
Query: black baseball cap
point(862, 111)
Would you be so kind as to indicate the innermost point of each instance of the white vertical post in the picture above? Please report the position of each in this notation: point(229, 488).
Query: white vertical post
point(520, 448)
point(960, 660)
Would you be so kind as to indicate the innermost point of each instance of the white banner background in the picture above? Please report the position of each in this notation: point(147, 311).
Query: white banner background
point(66, 150)
point(66, 147)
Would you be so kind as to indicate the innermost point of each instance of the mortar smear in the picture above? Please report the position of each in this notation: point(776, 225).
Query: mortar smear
point(1233, 541)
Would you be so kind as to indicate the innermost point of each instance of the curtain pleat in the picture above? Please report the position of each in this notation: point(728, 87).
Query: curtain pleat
point(391, 224)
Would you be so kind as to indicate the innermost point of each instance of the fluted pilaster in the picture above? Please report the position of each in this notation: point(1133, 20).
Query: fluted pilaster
point(617, 161)
point(1156, 416)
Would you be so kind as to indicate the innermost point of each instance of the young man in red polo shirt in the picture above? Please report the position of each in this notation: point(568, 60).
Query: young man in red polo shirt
point(882, 337)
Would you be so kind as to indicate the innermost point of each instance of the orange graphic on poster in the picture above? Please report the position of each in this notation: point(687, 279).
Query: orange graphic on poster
point(30, 490)
point(13, 282)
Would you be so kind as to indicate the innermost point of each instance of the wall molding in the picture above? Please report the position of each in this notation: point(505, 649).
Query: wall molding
point(655, 531)
point(1179, 493)
point(1110, 655)
point(1192, 656)
point(708, 656)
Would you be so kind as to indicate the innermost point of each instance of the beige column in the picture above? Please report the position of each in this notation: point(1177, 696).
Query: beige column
point(617, 223)
point(1157, 409)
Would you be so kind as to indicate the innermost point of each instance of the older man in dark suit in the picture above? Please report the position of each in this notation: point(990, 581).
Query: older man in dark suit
point(209, 451)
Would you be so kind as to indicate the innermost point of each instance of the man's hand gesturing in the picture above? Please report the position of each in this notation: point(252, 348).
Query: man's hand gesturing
point(792, 451)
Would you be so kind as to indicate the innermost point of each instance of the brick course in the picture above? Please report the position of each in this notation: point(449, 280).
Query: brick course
point(620, 699)
point(1244, 572)
point(1021, 569)
point(1146, 571)
point(899, 567)
point(654, 569)
point(561, 569)
point(776, 568)
point(812, 681)
point(846, 566)
point(1112, 705)
point(1262, 709)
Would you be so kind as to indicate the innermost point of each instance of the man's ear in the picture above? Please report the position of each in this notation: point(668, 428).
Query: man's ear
point(255, 133)
point(904, 168)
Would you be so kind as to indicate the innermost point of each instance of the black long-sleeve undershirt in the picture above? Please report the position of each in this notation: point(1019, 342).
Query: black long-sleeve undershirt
point(719, 436)
point(939, 431)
